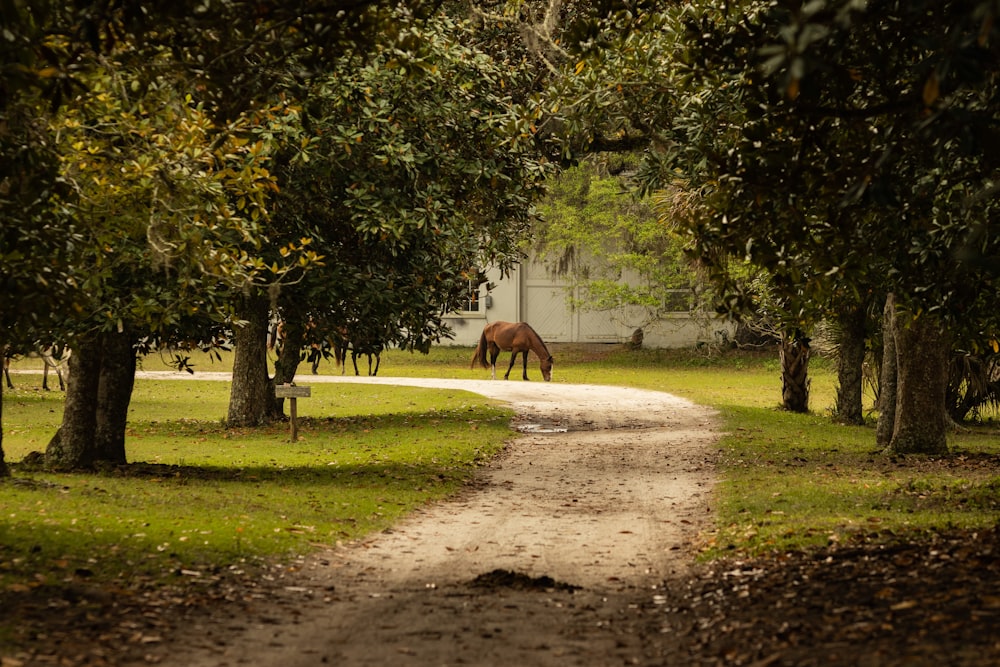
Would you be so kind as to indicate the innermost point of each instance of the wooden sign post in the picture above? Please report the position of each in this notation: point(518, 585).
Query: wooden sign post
point(291, 392)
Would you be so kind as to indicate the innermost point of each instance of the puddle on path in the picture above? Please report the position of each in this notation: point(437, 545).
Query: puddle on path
point(541, 428)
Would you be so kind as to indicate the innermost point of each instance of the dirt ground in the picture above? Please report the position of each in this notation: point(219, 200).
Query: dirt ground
point(596, 505)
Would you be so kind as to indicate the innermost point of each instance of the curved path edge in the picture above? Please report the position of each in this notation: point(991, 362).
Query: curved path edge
point(544, 560)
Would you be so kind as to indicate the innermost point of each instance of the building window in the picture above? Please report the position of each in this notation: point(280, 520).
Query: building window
point(678, 301)
point(472, 301)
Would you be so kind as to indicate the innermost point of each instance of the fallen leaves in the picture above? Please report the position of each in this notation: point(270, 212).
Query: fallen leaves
point(879, 599)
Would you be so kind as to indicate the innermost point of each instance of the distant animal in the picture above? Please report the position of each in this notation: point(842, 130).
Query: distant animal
point(517, 338)
point(53, 356)
point(339, 344)
point(368, 346)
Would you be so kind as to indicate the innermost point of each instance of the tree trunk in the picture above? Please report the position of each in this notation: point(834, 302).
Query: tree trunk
point(114, 393)
point(922, 352)
point(4, 470)
point(850, 365)
point(252, 392)
point(289, 357)
point(887, 378)
point(73, 445)
point(795, 372)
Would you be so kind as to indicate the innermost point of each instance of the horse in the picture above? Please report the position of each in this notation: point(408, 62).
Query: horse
point(339, 342)
point(341, 346)
point(357, 344)
point(371, 349)
point(53, 356)
point(516, 337)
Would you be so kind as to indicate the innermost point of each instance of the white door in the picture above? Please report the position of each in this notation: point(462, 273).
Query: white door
point(547, 311)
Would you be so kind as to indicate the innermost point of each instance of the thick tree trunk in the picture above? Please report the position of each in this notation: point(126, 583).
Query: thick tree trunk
point(795, 372)
point(922, 352)
point(73, 445)
point(117, 380)
point(887, 378)
point(252, 391)
point(289, 357)
point(850, 365)
point(101, 379)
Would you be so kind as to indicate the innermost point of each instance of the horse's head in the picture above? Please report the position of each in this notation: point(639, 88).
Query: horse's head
point(546, 367)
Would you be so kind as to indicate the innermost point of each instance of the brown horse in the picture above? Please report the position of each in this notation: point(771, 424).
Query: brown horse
point(516, 337)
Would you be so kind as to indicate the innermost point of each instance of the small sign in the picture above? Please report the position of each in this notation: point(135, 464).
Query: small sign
point(291, 391)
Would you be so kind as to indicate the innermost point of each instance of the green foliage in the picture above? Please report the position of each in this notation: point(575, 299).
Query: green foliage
point(823, 143)
point(411, 175)
point(846, 155)
point(226, 54)
point(608, 245)
point(164, 201)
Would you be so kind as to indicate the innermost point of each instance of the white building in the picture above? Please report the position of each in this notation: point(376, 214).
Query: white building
point(531, 295)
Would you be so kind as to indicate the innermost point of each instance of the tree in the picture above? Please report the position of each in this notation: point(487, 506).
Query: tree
point(884, 140)
point(411, 173)
point(851, 325)
point(843, 147)
point(161, 200)
point(222, 53)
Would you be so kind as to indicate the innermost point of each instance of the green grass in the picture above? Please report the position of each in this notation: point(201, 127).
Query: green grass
point(792, 481)
point(202, 496)
point(197, 496)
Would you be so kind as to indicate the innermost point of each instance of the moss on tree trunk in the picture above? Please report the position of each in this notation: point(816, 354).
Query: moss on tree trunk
point(887, 379)
point(4, 470)
point(289, 357)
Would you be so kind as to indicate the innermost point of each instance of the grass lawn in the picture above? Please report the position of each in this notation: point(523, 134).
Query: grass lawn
point(200, 496)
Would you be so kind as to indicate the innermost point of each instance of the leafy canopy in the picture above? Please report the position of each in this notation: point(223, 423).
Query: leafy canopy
point(412, 174)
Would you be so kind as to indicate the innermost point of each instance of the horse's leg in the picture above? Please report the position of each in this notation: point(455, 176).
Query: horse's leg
point(378, 360)
point(513, 358)
point(45, 375)
point(524, 365)
point(494, 353)
point(315, 355)
point(340, 354)
point(354, 359)
point(6, 372)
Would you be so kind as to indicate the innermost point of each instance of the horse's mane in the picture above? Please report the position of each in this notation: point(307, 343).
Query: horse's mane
point(540, 341)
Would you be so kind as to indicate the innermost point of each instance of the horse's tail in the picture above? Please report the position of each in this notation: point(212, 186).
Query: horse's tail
point(479, 356)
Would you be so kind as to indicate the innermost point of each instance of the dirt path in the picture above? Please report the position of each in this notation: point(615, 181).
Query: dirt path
point(548, 559)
